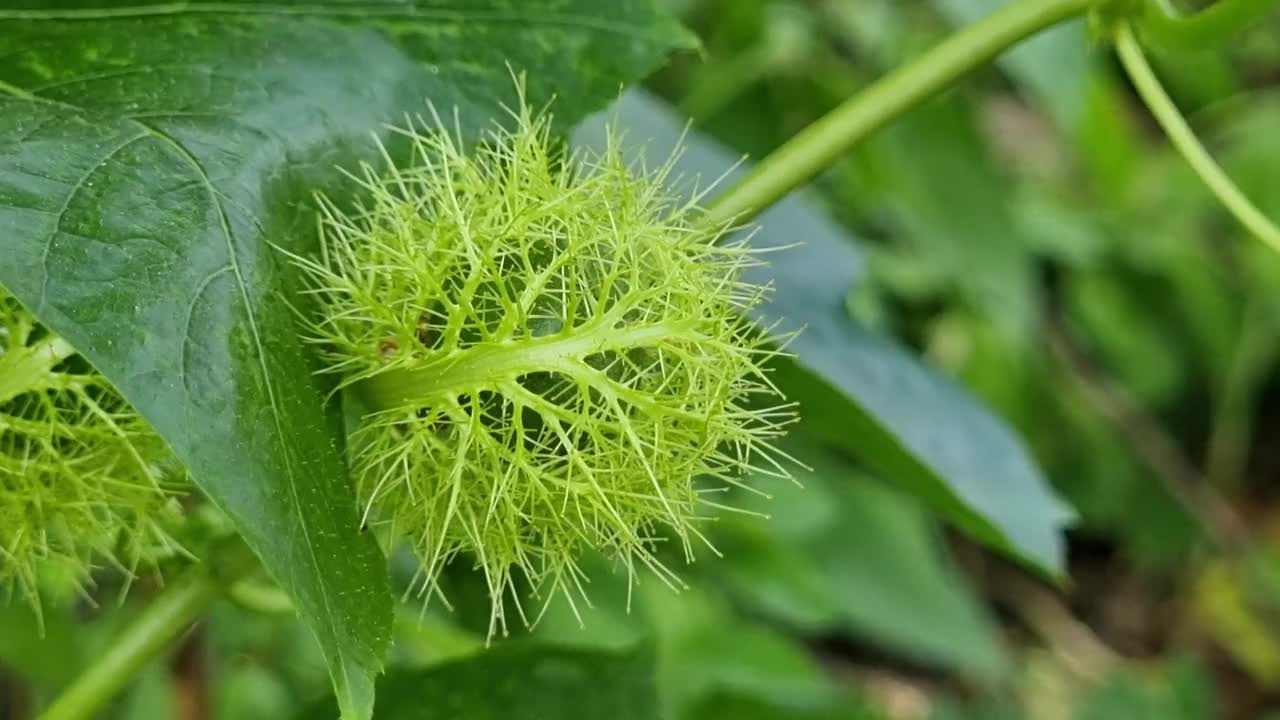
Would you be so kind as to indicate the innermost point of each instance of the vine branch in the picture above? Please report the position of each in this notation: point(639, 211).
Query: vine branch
point(831, 136)
point(163, 621)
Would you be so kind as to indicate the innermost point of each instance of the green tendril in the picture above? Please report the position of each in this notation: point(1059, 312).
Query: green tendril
point(1185, 141)
point(818, 146)
point(556, 360)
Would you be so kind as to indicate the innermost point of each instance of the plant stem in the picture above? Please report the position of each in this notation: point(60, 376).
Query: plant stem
point(1186, 142)
point(819, 145)
point(260, 598)
point(160, 624)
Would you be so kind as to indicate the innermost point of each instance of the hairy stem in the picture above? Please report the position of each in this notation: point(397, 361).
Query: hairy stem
point(151, 633)
point(826, 140)
point(1186, 142)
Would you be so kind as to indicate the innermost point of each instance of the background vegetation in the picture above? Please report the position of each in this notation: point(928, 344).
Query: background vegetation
point(1032, 236)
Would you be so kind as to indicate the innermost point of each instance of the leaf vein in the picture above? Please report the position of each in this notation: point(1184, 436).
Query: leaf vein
point(273, 402)
point(203, 177)
point(61, 213)
point(186, 325)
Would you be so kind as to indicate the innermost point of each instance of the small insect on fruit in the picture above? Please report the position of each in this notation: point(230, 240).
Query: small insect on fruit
point(554, 357)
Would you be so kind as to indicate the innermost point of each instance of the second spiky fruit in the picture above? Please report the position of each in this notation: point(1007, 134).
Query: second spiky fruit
point(81, 473)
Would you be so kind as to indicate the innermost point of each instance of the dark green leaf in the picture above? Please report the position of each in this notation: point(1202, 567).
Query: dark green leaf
point(522, 681)
point(150, 155)
point(867, 394)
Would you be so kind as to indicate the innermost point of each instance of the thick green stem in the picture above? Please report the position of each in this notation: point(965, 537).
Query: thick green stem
point(151, 633)
point(1186, 142)
point(819, 145)
point(1164, 24)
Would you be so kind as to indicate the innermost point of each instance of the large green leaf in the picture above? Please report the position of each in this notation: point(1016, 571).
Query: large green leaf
point(864, 392)
point(151, 155)
point(523, 681)
point(848, 554)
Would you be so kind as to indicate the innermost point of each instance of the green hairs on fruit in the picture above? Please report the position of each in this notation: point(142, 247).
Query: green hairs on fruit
point(80, 471)
point(553, 357)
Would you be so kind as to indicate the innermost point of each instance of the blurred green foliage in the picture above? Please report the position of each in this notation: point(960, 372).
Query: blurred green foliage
point(1032, 235)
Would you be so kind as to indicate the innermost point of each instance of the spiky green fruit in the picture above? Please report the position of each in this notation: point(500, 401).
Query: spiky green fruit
point(80, 471)
point(554, 358)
